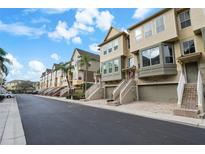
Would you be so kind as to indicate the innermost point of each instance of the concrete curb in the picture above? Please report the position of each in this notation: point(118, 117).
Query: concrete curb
point(13, 133)
point(200, 123)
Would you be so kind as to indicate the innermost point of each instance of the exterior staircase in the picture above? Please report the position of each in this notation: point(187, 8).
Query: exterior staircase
point(96, 91)
point(124, 93)
point(189, 105)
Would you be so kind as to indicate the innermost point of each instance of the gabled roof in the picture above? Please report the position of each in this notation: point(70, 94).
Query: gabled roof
point(113, 37)
point(83, 52)
point(109, 31)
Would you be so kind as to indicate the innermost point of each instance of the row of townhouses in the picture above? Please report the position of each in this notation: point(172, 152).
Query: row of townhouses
point(53, 81)
point(160, 59)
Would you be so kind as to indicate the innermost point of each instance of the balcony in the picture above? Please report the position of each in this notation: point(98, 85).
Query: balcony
point(192, 57)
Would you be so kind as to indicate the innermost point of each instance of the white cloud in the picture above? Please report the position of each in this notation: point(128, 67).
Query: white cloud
point(40, 20)
point(94, 47)
point(55, 56)
point(20, 29)
point(85, 22)
point(83, 27)
point(47, 11)
point(141, 13)
point(16, 67)
point(86, 16)
point(104, 20)
point(77, 40)
point(62, 32)
point(36, 66)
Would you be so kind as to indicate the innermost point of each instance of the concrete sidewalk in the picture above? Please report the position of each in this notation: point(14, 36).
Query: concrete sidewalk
point(11, 129)
point(135, 110)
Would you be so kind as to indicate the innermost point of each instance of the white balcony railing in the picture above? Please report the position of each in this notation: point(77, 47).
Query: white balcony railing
point(200, 92)
point(180, 89)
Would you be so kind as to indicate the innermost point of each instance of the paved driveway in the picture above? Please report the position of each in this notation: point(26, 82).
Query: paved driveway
point(48, 121)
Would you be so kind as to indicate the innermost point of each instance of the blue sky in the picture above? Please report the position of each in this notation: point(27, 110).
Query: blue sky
point(37, 38)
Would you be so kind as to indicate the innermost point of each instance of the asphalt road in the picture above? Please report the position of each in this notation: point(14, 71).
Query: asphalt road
point(47, 121)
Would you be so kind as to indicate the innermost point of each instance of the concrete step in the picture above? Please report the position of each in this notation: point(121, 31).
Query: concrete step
point(113, 102)
point(187, 112)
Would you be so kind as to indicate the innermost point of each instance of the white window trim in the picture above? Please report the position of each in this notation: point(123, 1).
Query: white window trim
point(163, 24)
point(151, 29)
point(185, 40)
point(114, 65)
point(140, 28)
point(180, 20)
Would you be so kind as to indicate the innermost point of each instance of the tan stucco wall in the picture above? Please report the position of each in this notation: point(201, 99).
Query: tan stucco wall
point(122, 49)
point(170, 32)
point(197, 18)
point(112, 33)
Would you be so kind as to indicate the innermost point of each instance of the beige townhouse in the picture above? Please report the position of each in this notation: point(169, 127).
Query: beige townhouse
point(54, 83)
point(160, 60)
point(79, 72)
point(117, 69)
point(169, 49)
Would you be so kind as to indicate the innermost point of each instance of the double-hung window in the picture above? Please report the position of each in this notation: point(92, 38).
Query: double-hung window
point(116, 44)
point(105, 50)
point(105, 68)
point(184, 18)
point(148, 30)
point(116, 65)
point(159, 24)
point(110, 47)
point(168, 53)
point(188, 47)
point(138, 34)
point(110, 67)
point(150, 57)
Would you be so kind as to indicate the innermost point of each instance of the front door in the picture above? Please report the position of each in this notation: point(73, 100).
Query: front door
point(191, 72)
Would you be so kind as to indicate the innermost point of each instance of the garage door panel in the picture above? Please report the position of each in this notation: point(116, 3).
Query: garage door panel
point(160, 93)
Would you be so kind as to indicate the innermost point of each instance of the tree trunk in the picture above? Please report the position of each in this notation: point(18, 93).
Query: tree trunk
point(69, 87)
point(86, 78)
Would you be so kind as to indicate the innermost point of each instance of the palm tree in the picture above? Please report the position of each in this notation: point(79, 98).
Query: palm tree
point(3, 60)
point(67, 69)
point(85, 62)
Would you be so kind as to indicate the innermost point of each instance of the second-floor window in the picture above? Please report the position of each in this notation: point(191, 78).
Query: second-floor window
point(159, 24)
point(116, 44)
point(150, 57)
point(104, 68)
point(148, 30)
point(168, 53)
point(110, 67)
point(116, 65)
point(184, 18)
point(138, 34)
point(188, 47)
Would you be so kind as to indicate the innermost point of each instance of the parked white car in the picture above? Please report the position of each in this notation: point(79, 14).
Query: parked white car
point(8, 95)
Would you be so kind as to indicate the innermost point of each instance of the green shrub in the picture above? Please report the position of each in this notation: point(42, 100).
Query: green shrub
point(78, 94)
